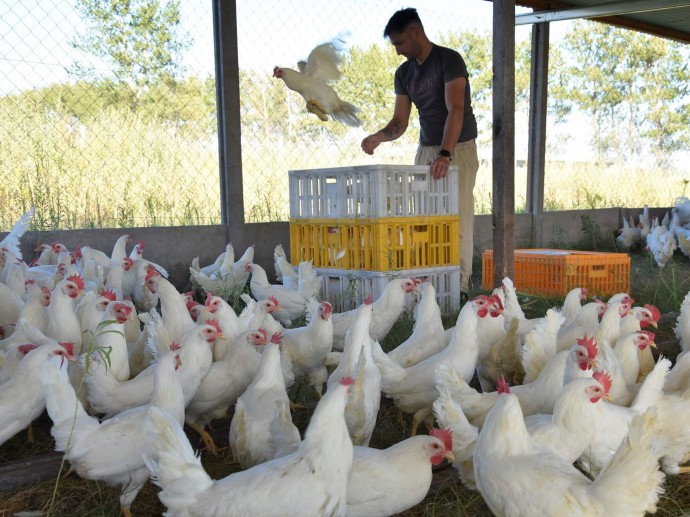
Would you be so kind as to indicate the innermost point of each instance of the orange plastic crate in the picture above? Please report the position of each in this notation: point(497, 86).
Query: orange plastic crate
point(380, 244)
point(551, 272)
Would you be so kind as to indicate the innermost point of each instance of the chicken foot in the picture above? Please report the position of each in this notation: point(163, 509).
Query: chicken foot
point(316, 108)
point(207, 439)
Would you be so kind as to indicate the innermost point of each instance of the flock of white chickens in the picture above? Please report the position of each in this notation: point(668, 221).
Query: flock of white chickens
point(660, 238)
point(121, 360)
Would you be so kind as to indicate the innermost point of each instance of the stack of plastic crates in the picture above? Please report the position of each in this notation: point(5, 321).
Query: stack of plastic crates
point(363, 225)
point(551, 272)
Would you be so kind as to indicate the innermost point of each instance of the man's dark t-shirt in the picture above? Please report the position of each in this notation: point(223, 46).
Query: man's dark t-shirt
point(425, 85)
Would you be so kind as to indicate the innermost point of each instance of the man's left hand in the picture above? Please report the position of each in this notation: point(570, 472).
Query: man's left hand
point(439, 167)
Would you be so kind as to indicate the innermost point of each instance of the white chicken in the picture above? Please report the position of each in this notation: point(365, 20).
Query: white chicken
point(570, 429)
point(225, 381)
point(312, 481)
point(11, 241)
point(357, 362)
point(112, 450)
point(292, 301)
point(508, 464)
point(661, 243)
point(311, 82)
point(221, 282)
point(285, 273)
point(63, 324)
point(630, 236)
point(305, 348)
point(613, 421)
point(109, 396)
point(449, 415)
point(174, 314)
point(392, 480)
point(385, 311)
point(535, 397)
point(261, 428)
point(428, 334)
point(21, 397)
point(414, 389)
point(682, 327)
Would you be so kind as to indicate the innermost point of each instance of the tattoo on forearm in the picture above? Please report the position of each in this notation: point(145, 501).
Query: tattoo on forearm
point(392, 130)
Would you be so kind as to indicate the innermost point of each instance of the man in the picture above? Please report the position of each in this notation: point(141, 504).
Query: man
point(435, 79)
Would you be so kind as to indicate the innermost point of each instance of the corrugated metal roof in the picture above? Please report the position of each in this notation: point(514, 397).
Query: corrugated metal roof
point(665, 18)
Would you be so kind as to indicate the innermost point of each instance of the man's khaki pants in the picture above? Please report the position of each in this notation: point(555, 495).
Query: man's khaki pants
point(465, 158)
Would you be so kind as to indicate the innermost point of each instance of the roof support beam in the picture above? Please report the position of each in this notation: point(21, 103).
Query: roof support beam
point(536, 146)
point(503, 152)
point(228, 113)
point(600, 10)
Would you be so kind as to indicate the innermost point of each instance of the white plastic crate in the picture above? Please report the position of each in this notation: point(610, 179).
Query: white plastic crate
point(346, 289)
point(372, 191)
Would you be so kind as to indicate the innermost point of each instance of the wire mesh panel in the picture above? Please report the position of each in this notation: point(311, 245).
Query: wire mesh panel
point(107, 113)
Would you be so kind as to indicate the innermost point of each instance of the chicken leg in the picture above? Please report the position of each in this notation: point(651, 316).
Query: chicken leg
point(207, 438)
point(316, 108)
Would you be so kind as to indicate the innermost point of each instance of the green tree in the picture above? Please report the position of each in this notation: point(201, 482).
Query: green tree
point(632, 85)
point(141, 40)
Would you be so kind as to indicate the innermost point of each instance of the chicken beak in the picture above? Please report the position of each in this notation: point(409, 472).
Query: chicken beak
point(220, 335)
point(608, 398)
point(450, 456)
point(654, 324)
point(652, 344)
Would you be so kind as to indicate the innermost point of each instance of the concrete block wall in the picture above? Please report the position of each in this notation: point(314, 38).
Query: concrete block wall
point(175, 247)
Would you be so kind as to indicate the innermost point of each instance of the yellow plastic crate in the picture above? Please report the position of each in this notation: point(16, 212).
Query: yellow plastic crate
point(380, 244)
point(550, 272)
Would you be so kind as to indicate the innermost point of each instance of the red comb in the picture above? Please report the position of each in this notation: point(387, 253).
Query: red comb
point(79, 281)
point(369, 300)
point(69, 347)
point(44, 290)
point(656, 313)
point(584, 293)
point(502, 385)
point(109, 294)
point(274, 300)
point(276, 338)
point(445, 435)
point(263, 332)
point(178, 361)
point(649, 334)
point(141, 246)
point(590, 345)
point(215, 325)
point(25, 349)
point(174, 347)
point(150, 272)
point(347, 381)
point(209, 295)
point(127, 263)
point(604, 379)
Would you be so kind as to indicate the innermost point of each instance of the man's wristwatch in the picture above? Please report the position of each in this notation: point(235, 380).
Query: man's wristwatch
point(446, 154)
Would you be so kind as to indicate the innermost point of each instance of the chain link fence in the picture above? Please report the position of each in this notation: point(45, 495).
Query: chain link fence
point(108, 117)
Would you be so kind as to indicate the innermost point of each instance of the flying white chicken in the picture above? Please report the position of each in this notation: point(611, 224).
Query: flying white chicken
point(311, 82)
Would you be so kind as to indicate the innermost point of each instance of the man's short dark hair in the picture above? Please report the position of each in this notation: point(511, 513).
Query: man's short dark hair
point(401, 20)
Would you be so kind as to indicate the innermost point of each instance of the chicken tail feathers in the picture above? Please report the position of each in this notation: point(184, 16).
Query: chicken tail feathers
point(11, 240)
point(635, 469)
point(175, 468)
point(346, 113)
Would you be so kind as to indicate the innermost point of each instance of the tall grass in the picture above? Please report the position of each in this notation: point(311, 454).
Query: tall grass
point(125, 169)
